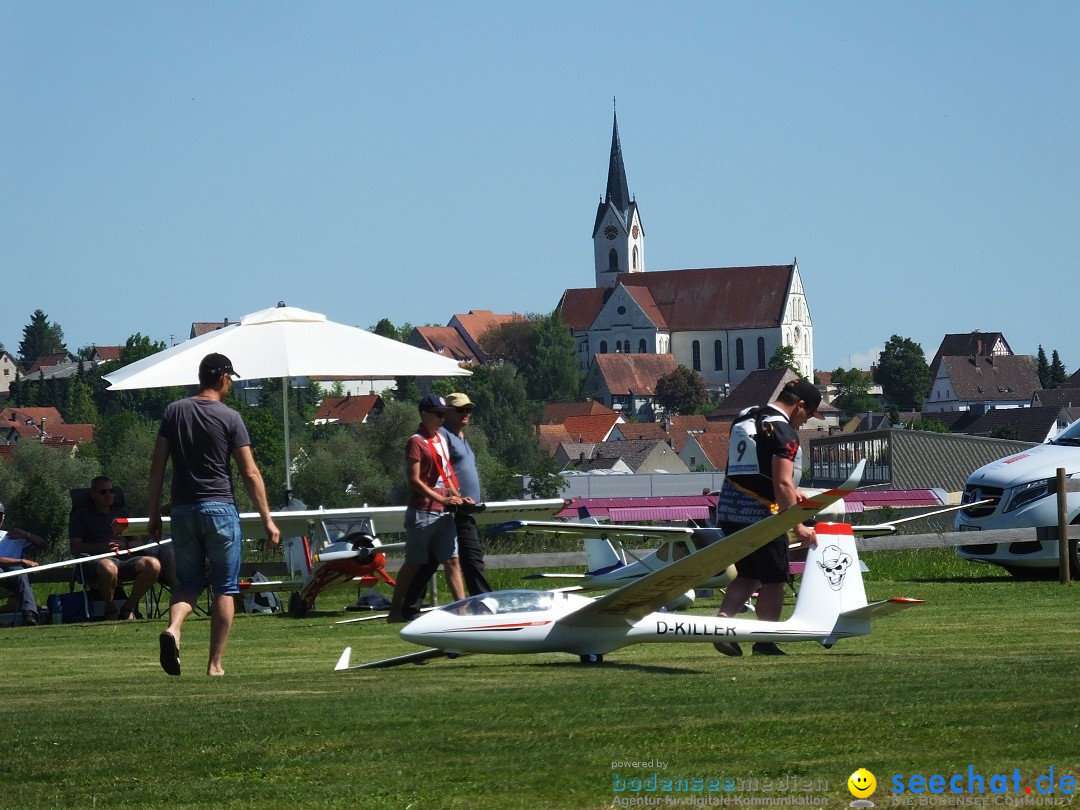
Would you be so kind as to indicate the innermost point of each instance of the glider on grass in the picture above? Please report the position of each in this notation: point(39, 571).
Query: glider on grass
point(831, 604)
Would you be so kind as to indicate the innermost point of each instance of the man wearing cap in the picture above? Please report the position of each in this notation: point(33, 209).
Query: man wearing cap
point(90, 531)
point(201, 434)
point(429, 524)
point(13, 543)
point(764, 468)
point(463, 462)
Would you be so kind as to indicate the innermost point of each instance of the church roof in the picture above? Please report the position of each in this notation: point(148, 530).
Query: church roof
point(702, 299)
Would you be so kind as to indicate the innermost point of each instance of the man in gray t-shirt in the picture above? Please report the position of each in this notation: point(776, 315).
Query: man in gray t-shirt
point(201, 435)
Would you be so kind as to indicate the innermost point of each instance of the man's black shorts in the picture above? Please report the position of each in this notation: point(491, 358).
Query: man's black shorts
point(769, 564)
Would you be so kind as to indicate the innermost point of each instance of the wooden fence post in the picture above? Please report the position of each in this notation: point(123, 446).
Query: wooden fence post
point(1063, 528)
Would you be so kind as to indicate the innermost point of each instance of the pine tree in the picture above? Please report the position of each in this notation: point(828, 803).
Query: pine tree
point(1042, 367)
point(40, 338)
point(1057, 375)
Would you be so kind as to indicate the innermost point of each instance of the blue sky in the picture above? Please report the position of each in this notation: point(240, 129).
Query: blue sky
point(164, 163)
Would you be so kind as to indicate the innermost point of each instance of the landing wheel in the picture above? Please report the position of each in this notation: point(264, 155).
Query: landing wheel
point(591, 660)
point(1074, 558)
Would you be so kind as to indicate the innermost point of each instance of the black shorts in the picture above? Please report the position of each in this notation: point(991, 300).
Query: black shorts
point(769, 564)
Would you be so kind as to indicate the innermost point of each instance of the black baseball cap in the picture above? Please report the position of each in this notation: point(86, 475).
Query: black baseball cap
point(433, 402)
point(808, 393)
point(214, 365)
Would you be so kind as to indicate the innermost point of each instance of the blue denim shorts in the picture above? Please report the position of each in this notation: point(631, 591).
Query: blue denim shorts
point(207, 532)
point(429, 532)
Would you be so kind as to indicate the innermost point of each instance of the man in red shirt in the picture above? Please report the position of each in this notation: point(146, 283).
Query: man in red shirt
point(429, 523)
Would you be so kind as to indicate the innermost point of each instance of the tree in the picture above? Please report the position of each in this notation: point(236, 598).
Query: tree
point(79, 407)
point(903, 373)
point(550, 369)
point(1057, 375)
point(784, 358)
point(681, 391)
point(385, 328)
point(40, 338)
point(1042, 368)
point(35, 481)
point(853, 392)
point(124, 443)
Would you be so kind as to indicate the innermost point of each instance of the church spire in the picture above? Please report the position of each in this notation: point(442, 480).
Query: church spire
point(618, 238)
point(618, 193)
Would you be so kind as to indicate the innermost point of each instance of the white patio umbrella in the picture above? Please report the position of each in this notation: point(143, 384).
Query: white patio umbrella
point(286, 342)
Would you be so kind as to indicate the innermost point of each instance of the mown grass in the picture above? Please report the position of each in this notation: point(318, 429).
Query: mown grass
point(980, 675)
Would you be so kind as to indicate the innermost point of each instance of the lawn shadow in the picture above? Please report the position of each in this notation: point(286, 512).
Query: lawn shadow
point(650, 668)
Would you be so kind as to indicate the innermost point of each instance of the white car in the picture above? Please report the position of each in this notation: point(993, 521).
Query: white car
point(1021, 488)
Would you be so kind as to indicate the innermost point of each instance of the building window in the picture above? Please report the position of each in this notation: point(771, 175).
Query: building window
point(641, 346)
point(761, 352)
point(696, 348)
point(603, 347)
point(739, 361)
point(635, 257)
point(718, 355)
point(613, 261)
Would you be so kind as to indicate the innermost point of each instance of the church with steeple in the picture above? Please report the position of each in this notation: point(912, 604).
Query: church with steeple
point(722, 322)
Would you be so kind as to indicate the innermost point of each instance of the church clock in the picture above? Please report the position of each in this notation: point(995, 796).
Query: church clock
point(611, 231)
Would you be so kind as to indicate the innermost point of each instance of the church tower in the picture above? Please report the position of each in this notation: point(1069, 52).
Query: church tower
point(618, 238)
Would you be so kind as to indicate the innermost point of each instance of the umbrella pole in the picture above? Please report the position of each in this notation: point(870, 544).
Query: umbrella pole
point(288, 455)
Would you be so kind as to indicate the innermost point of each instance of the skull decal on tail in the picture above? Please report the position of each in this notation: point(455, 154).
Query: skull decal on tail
point(834, 563)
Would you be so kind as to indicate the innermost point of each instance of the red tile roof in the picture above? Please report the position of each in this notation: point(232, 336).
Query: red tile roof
point(624, 374)
point(714, 444)
point(48, 361)
point(551, 436)
point(591, 428)
point(444, 340)
point(348, 410)
point(107, 353)
point(556, 412)
point(477, 322)
point(736, 297)
point(51, 416)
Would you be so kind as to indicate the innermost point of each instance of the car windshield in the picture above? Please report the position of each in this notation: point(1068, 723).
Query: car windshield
point(500, 602)
point(1070, 436)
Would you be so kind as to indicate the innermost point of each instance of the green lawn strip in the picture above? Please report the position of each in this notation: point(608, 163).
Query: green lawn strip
point(982, 675)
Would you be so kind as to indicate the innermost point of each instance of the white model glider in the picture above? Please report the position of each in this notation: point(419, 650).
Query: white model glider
point(831, 605)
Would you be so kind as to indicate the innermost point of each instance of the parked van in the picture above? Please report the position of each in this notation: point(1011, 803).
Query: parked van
point(1021, 490)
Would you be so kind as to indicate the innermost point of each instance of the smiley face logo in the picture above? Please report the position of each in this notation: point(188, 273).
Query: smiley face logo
point(861, 783)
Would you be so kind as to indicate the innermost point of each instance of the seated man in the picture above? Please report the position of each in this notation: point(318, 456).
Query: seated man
point(9, 562)
point(91, 532)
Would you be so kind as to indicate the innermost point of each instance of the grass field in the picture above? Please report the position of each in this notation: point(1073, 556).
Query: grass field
point(982, 675)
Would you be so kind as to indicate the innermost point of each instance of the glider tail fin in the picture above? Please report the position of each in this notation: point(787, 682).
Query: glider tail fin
point(832, 597)
point(832, 580)
point(601, 556)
